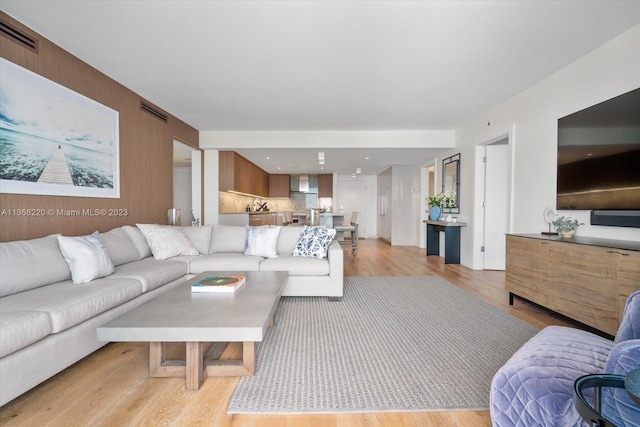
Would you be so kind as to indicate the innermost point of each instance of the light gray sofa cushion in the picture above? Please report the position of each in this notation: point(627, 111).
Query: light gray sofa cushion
point(138, 239)
point(228, 238)
point(21, 328)
point(18, 261)
point(226, 261)
point(68, 305)
point(288, 238)
point(297, 266)
point(150, 272)
point(120, 246)
point(200, 237)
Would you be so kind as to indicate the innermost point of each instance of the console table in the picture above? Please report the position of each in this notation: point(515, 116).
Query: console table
point(451, 232)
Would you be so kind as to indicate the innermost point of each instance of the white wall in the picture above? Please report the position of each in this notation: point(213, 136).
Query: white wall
point(211, 185)
point(530, 118)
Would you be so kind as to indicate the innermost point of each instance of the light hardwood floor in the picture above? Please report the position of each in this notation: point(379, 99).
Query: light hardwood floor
point(111, 387)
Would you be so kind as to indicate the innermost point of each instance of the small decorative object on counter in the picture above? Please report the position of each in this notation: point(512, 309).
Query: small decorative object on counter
point(566, 226)
point(195, 221)
point(435, 212)
point(247, 209)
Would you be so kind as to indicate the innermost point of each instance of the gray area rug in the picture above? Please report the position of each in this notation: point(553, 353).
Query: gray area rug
point(393, 344)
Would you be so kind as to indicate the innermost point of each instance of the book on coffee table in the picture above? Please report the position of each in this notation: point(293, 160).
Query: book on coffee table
point(218, 284)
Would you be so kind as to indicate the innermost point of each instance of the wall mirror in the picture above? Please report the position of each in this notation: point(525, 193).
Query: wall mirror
point(451, 180)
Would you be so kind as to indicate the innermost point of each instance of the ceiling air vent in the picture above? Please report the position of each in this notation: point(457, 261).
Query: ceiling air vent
point(154, 111)
point(19, 37)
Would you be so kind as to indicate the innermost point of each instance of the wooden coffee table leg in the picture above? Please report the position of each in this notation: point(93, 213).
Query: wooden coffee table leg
point(159, 366)
point(195, 366)
point(156, 358)
point(234, 368)
point(249, 357)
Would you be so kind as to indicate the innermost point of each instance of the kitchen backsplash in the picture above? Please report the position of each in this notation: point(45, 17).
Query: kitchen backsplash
point(234, 203)
point(299, 202)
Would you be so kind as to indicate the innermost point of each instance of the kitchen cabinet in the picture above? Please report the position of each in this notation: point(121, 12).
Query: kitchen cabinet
point(238, 174)
point(398, 217)
point(279, 185)
point(325, 185)
point(586, 279)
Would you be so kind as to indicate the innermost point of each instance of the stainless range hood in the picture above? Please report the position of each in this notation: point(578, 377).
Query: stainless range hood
point(304, 184)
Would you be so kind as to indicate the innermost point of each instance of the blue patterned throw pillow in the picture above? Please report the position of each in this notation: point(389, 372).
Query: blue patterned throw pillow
point(314, 242)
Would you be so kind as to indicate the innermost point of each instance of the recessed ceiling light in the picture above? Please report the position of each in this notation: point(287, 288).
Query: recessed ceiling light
point(366, 158)
point(358, 170)
point(268, 158)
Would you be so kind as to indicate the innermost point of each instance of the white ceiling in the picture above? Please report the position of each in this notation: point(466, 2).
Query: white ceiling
point(327, 65)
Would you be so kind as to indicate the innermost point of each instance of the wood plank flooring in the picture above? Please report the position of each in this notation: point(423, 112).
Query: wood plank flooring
point(112, 387)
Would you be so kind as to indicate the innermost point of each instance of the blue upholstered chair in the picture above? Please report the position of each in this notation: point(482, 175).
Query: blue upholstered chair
point(535, 386)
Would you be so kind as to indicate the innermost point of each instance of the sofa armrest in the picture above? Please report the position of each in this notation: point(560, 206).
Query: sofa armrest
point(335, 256)
point(617, 405)
point(624, 357)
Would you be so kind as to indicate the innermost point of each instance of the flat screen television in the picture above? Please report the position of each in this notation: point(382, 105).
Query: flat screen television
point(599, 159)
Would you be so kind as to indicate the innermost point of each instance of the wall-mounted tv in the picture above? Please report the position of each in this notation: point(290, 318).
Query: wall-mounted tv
point(599, 156)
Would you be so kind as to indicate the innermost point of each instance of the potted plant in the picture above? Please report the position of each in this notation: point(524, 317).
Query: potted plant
point(439, 201)
point(566, 226)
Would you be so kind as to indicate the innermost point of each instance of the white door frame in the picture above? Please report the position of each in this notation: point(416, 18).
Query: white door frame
point(496, 207)
point(196, 182)
point(478, 209)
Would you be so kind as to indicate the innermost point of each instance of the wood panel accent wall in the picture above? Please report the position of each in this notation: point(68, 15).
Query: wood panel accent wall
point(146, 150)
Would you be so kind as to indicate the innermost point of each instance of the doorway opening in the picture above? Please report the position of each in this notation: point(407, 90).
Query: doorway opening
point(495, 163)
point(187, 182)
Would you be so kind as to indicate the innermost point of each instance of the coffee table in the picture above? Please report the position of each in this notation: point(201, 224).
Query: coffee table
point(179, 315)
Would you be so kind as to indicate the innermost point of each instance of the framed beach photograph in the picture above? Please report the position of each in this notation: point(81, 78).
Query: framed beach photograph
point(54, 141)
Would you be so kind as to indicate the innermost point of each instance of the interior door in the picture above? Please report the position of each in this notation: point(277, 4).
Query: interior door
point(496, 205)
point(352, 195)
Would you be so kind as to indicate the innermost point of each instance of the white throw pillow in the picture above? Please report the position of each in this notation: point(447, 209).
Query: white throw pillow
point(262, 241)
point(87, 257)
point(314, 242)
point(167, 241)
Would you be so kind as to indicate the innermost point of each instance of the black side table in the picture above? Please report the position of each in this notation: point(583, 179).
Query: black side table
point(592, 414)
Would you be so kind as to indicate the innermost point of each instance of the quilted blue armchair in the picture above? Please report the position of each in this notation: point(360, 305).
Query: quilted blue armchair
point(535, 386)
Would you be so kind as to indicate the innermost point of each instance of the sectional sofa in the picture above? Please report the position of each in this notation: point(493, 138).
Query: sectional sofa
point(48, 322)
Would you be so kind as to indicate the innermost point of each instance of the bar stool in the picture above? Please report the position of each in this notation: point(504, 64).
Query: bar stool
point(352, 227)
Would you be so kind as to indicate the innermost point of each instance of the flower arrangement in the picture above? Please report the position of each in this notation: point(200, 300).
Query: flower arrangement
point(444, 200)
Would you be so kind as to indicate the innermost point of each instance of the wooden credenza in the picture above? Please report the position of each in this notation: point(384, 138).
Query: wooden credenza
point(586, 279)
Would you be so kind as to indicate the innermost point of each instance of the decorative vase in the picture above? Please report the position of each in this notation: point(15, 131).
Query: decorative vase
point(569, 233)
point(434, 213)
